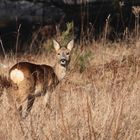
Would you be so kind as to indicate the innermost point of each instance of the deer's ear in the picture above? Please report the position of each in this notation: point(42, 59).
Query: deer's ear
point(56, 45)
point(70, 45)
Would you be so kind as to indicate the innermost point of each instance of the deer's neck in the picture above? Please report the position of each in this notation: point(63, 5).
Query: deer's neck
point(60, 71)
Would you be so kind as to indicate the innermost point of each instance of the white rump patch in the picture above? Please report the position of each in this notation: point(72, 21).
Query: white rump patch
point(16, 76)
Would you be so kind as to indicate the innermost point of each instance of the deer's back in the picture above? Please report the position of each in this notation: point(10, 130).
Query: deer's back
point(39, 76)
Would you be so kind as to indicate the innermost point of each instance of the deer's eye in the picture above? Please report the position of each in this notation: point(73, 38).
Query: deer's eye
point(58, 54)
point(67, 53)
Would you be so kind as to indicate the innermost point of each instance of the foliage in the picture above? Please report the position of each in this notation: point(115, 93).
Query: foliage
point(84, 60)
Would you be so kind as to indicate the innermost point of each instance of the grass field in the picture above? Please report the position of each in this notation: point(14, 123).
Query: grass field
point(99, 99)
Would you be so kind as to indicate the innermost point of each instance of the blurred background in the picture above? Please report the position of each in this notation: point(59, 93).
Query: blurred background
point(30, 22)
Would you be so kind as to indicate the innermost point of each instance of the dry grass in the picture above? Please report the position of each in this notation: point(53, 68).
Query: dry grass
point(101, 103)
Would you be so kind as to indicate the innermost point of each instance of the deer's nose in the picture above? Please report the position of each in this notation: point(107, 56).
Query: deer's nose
point(63, 60)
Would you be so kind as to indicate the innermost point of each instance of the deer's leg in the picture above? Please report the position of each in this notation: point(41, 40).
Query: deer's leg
point(47, 97)
point(25, 97)
point(23, 111)
point(27, 106)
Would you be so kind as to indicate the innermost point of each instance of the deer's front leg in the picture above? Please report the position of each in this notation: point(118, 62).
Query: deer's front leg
point(47, 98)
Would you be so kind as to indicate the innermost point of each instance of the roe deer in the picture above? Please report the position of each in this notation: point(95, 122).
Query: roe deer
point(33, 80)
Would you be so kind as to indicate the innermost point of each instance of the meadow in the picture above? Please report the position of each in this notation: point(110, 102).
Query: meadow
point(99, 99)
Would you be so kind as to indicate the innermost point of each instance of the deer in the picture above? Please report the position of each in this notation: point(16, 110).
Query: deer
point(33, 80)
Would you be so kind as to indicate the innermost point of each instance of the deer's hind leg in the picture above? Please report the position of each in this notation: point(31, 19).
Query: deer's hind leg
point(25, 98)
point(26, 106)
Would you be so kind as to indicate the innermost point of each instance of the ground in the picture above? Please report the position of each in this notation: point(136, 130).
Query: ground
point(98, 99)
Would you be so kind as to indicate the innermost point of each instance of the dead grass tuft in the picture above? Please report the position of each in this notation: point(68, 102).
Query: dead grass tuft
point(4, 83)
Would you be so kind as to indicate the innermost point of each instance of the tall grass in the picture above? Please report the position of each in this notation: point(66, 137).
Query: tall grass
point(98, 100)
point(100, 103)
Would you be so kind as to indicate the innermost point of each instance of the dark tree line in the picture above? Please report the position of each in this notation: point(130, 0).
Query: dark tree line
point(86, 15)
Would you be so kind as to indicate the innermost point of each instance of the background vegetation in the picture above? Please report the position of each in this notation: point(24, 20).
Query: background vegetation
point(98, 99)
